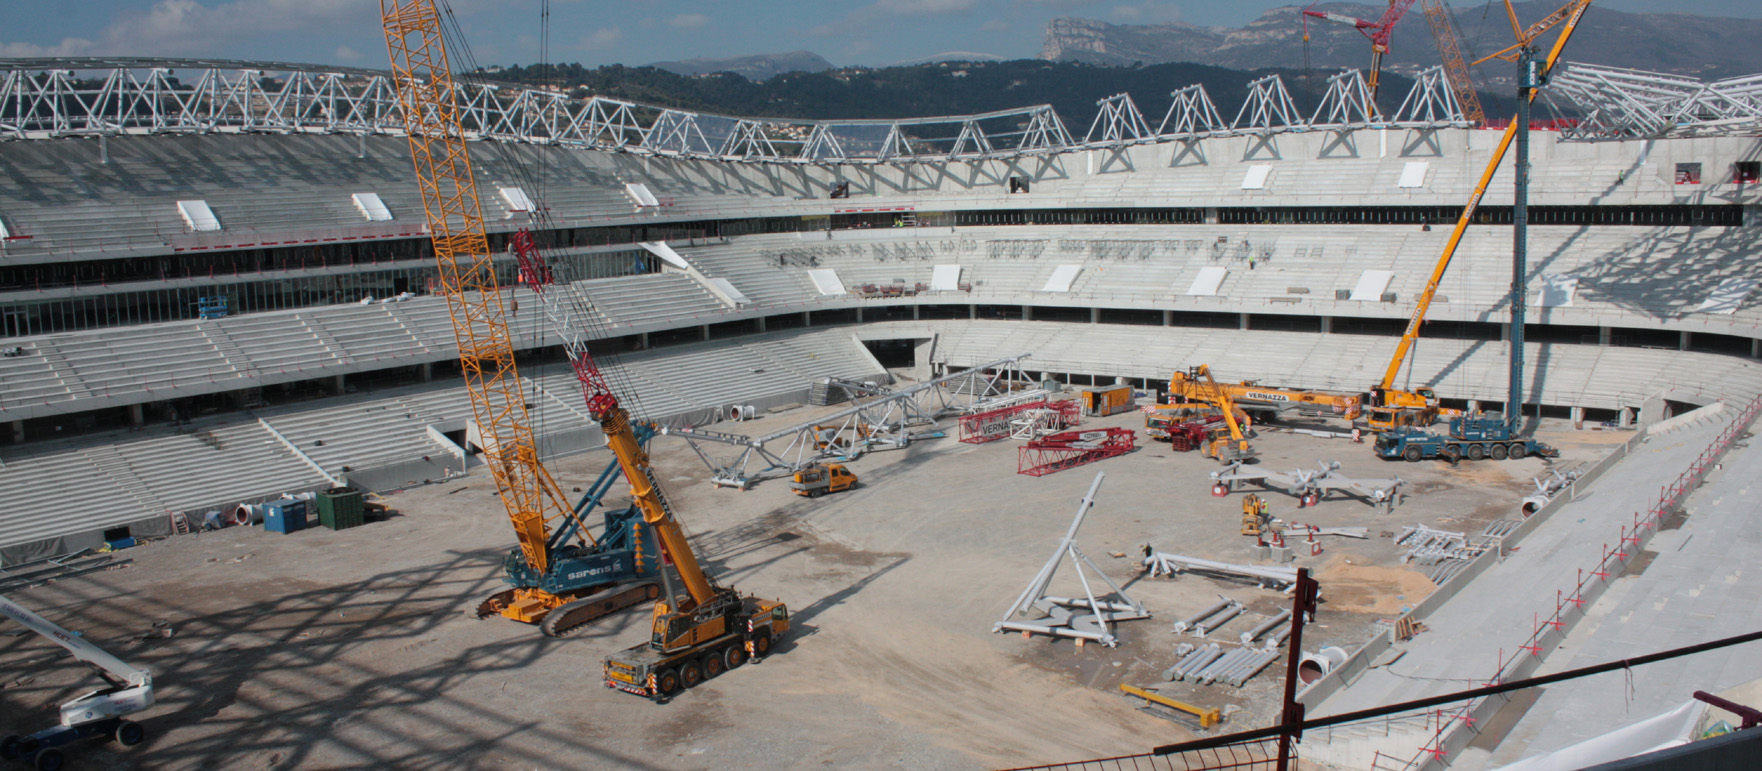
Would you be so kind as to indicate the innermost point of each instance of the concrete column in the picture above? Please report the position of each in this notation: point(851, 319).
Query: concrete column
point(915, 309)
point(1756, 348)
point(427, 371)
point(1578, 417)
point(1327, 325)
point(1211, 215)
point(1168, 318)
point(136, 417)
point(1095, 315)
point(1242, 322)
point(1027, 313)
point(705, 329)
point(1626, 419)
point(338, 385)
point(1474, 405)
point(806, 320)
point(643, 340)
point(18, 431)
point(761, 323)
point(1605, 335)
point(859, 314)
point(1686, 337)
point(972, 311)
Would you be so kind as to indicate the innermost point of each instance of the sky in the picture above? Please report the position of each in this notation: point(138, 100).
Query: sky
point(634, 32)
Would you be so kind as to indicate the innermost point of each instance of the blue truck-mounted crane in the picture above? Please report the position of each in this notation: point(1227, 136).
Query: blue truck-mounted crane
point(1475, 436)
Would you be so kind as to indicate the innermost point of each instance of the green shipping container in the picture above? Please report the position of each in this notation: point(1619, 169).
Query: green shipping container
point(340, 508)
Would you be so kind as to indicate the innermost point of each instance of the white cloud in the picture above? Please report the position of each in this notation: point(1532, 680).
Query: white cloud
point(347, 54)
point(188, 27)
point(689, 20)
point(602, 39)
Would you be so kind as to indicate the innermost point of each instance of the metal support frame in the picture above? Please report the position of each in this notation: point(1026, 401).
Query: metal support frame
point(1057, 452)
point(1062, 617)
point(1118, 123)
point(65, 97)
point(1431, 103)
point(1616, 104)
point(1346, 104)
point(1384, 494)
point(882, 422)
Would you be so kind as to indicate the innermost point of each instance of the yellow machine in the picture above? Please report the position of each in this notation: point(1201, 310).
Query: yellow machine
point(1228, 442)
point(1255, 518)
point(820, 479)
point(697, 633)
point(1388, 407)
point(1184, 386)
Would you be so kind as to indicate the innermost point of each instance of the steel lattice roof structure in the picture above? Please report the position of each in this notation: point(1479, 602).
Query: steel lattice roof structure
point(70, 97)
point(1621, 104)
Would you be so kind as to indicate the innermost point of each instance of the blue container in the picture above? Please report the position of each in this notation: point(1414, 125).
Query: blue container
point(284, 516)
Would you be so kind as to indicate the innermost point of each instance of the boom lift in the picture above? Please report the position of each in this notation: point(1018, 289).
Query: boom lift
point(561, 578)
point(97, 713)
point(1388, 407)
point(704, 630)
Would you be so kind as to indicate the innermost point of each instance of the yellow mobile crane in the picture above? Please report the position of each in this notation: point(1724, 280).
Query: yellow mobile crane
point(1388, 407)
point(1197, 385)
point(696, 634)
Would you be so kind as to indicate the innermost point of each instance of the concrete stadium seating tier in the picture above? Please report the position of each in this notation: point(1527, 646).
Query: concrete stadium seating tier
point(60, 496)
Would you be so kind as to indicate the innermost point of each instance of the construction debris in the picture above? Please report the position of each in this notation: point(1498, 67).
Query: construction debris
point(1310, 487)
point(1549, 485)
point(1064, 615)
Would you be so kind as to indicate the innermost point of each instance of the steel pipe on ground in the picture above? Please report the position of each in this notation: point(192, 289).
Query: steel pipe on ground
point(1211, 624)
point(1207, 655)
point(1265, 626)
point(1188, 622)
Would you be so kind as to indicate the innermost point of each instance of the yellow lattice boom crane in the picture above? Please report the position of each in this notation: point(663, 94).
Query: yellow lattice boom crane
point(697, 633)
point(1388, 407)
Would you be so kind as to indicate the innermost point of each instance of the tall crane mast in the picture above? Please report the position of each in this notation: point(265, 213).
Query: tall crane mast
point(1386, 400)
point(1378, 32)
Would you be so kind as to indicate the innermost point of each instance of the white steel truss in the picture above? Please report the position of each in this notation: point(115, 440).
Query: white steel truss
point(1118, 122)
point(1621, 104)
point(1191, 114)
point(881, 420)
point(1431, 102)
point(49, 98)
point(1346, 104)
point(1268, 109)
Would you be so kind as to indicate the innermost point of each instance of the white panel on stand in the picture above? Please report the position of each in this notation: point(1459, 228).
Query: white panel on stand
point(1062, 278)
point(197, 215)
point(728, 289)
point(945, 278)
point(662, 250)
point(1557, 290)
point(826, 280)
point(1728, 296)
point(1206, 283)
point(1371, 284)
point(371, 207)
point(1413, 174)
point(1255, 179)
point(518, 200)
point(641, 194)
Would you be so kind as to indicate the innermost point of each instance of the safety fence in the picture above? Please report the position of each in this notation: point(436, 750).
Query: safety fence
point(1256, 755)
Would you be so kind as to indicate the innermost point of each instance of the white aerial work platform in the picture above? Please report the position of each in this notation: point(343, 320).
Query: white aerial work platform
point(129, 690)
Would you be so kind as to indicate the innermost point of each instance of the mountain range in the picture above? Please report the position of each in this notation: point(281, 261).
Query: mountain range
point(1698, 46)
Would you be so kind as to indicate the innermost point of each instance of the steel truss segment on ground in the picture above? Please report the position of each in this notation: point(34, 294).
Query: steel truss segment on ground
point(1622, 104)
point(1117, 123)
point(885, 420)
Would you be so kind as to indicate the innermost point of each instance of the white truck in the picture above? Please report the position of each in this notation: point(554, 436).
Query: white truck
point(128, 690)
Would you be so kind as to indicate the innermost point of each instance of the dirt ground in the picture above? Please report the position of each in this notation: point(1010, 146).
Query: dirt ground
point(355, 649)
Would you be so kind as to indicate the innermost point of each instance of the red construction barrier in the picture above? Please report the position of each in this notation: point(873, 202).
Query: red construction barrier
point(1070, 449)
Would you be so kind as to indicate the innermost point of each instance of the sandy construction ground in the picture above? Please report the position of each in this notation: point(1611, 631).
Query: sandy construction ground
point(354, 649)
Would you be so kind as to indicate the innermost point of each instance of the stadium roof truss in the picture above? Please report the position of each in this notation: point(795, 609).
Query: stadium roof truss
point(48, 98)
point(1621, 104)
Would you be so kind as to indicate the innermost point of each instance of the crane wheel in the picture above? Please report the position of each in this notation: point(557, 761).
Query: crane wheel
point(1476, 452)
point(690, 674)
point(50, 760)
point(733, 657)
point(1497, 452)
point(1411, 454)
point(761, 643)
point(1518, 450)
point(667, 682)
point(713, 665)
point(12, 748)
point(128, 733)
